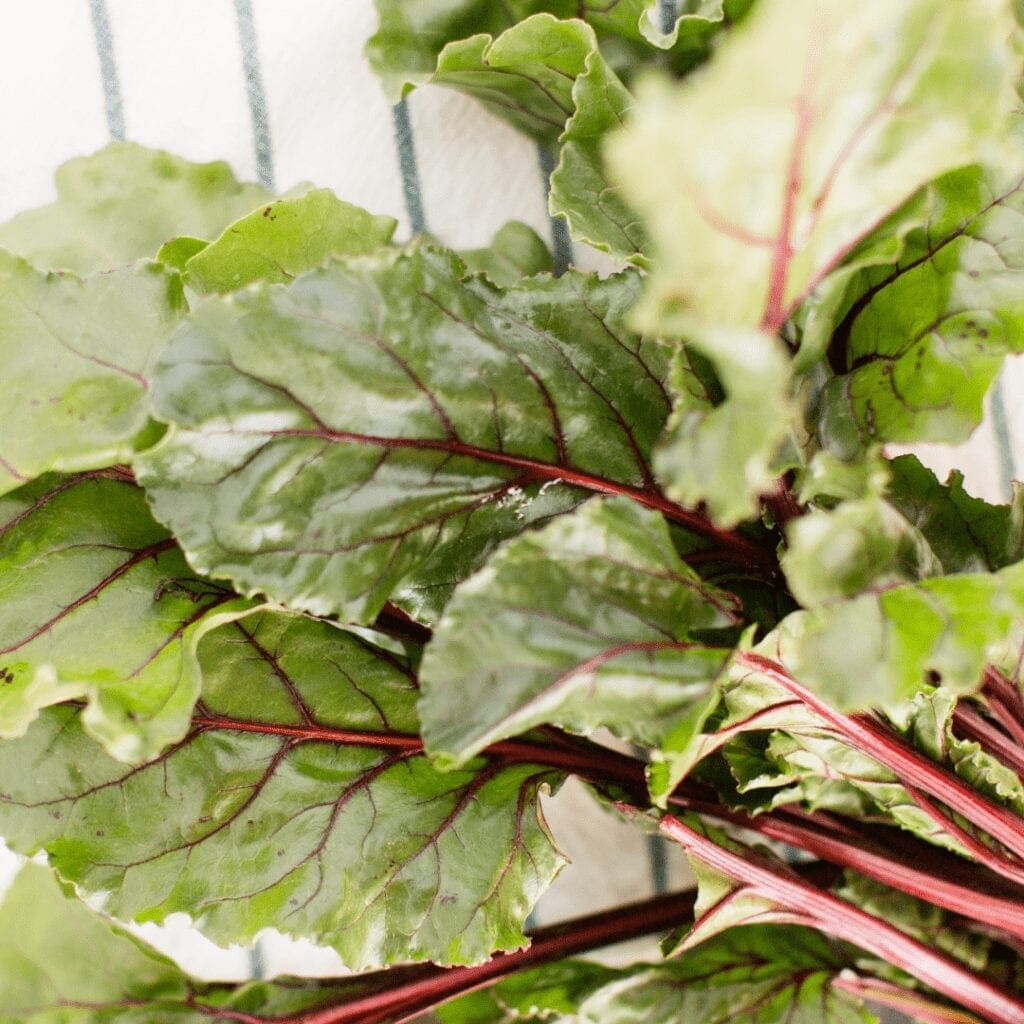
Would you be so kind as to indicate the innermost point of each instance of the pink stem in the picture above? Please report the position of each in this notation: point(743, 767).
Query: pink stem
point(850, 924)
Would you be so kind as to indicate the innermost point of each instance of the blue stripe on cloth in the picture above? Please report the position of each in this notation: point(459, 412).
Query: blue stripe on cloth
point(254, 91)
point(561, 243)
point(411, 189)
point(108, 69)
point(1004, 444)
point(669, 11)
point(657, 862)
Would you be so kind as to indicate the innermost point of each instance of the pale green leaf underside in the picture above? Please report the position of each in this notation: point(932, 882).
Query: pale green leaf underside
point(357, 843)
point(581, 624)
point(754, 975)
point(378, 425)
point(77, 355)
point(96, 602)
point(284, 238)
point(122, 204)
point(62, 963)
point(814, 120)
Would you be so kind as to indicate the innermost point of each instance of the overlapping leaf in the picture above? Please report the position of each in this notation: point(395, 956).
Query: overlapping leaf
point(412, 33)
point(580, 188)
point(713, 450)
point(814, 122)
point(122, 203)
point(299, 799)
point(880, 649)
point(379, 425)
point(96, 602)
point(61, 963)
point(919, 342)
point(514, 252)
point(77, 357)
point(753, 975)
point(284, 238)
point(584, 623)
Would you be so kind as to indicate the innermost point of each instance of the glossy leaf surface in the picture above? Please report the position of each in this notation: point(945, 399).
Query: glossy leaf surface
point(302, 764)
point(584, 623)
point(382, 424)
point(97, 603)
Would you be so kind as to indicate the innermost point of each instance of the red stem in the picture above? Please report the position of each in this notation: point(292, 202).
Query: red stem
point(439, 984)
point(907, 764)
point(911, 1004)
point(848, 923)
point(925, 873)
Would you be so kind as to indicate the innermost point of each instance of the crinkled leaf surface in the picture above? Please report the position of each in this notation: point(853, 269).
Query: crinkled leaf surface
point(580, 188)
point(77, 356)
point(773, 974)
point(865, 543)
point(525, 75)
point(383, 423)
point(62, 963)
point(881, 649)
point(921, 341)
point(96, 602)
point(965, 533)
point(713, 450)
point(412, 33)
point(284, 238)
point(581, 624)
point(122, 204)
point(514, 252)
point(300, 799)
point(814, 120)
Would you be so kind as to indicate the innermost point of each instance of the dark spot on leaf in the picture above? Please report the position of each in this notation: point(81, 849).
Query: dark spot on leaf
point(266, 211)
point(983, 333)
point(973, 273)
point(933, 677)
point(101, 833)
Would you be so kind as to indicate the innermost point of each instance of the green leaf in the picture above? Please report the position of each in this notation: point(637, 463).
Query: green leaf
point(878, 650)
point(77, 357)
point(814, 120)
point(516, 251)
point(931, 730)
point(752, 975)
point(918, 343)
point(122, 204)
point(836, 554)
point(62, 963)
point(580, 189)
point(412, 33)
point(584, 623)
point(283, 239)
point(379, 426)
point(525, 75)
point(713, 450)
point(96, 602)
point(303, 765)
point(965, 533)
